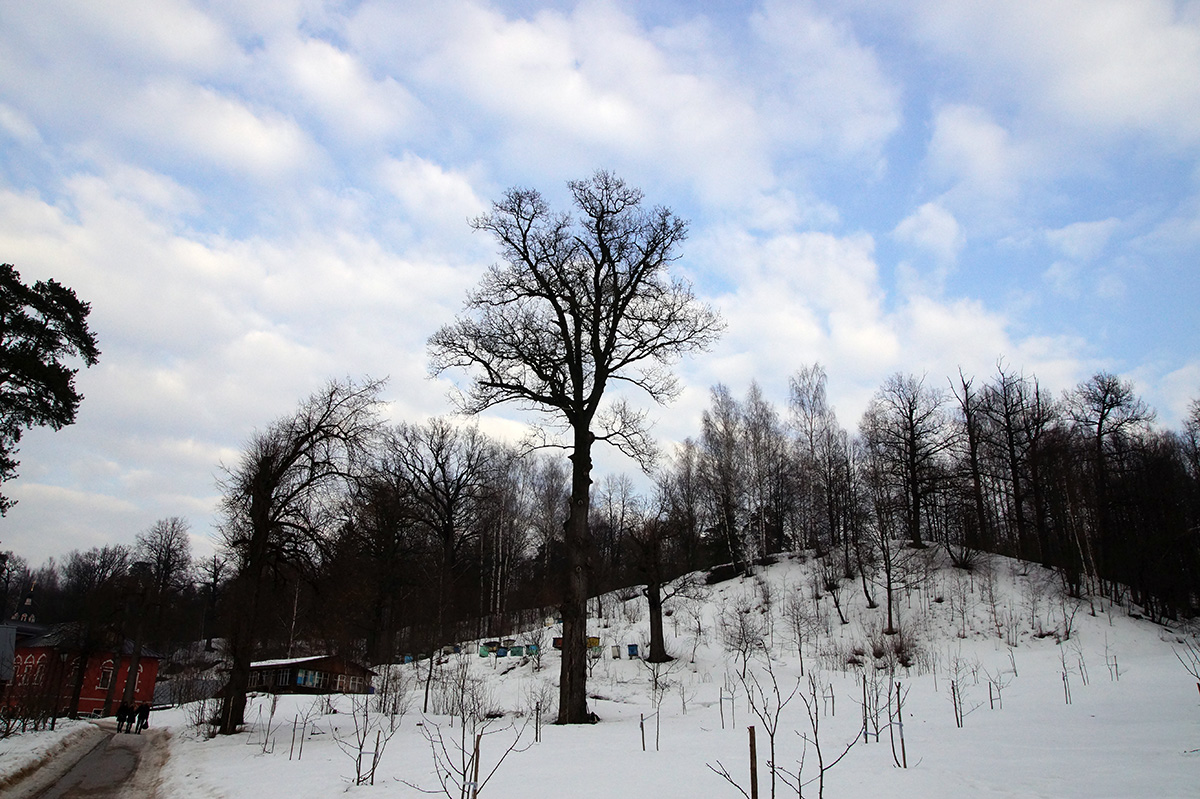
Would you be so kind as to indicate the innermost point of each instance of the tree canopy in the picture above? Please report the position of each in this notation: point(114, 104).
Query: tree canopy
point(41, 327)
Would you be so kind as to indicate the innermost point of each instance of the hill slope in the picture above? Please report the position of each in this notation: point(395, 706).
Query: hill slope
point(1002, 640)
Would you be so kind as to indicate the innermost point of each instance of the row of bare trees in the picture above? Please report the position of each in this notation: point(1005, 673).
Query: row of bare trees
point(147, 595)
point(388, 540)
point(381, 541)
point(1082, 482)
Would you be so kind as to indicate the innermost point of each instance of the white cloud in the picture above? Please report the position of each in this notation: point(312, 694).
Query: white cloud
point(186, 121)
point(827, 92)
point(430, 194)
point(341, 91)
point(1174, 391)
point(935, 230)
point(283, 196)
point(1063, 278)
point(134, 32)
point(1103, 68)
point(204, 338)
point(1080, 244)
point(1083, 241)
point(18, 126)
point(975, 156)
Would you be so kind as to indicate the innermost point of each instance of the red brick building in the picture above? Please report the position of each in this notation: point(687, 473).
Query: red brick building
point(46, 674)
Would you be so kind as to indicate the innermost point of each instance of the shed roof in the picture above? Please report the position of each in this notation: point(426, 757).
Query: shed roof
point(262, 664)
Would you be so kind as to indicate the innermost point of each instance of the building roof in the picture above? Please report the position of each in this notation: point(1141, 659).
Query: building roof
point(311, 659)
point(262, 664)
point(68, 637)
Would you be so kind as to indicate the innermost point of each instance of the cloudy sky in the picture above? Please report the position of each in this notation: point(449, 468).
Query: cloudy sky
point(255, 197)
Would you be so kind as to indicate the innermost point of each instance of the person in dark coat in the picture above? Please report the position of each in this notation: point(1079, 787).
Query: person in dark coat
point(143, 717)
point(124, 718)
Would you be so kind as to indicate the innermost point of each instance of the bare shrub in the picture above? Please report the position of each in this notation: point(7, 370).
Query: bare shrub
point(366, 729)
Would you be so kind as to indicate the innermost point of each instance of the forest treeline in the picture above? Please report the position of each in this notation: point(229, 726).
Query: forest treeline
point(398, 539)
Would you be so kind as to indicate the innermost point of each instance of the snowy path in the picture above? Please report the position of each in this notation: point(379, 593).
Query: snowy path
point(101, 765)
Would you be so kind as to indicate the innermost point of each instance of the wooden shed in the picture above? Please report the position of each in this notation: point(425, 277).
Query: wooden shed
point(316, 674)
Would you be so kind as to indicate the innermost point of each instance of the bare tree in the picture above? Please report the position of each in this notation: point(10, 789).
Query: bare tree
point(168, 550)
point(977, 524)
point(770, 471)
point(577, 305)
point(1106, 411)
point(723, 475)
point(445, 471)
point(813, 700)
point(212, 573)
point(680, 489)
point(96, 581)
point(906, 429)
point(281, 499)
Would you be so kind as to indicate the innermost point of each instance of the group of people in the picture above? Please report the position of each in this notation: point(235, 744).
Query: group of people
point(128, 716)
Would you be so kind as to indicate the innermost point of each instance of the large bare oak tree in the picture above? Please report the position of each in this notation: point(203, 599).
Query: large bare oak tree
point(282, 499)
point(577, 303)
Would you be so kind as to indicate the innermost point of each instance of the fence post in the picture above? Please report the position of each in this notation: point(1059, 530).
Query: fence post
point(753, 766)
point(475, 768)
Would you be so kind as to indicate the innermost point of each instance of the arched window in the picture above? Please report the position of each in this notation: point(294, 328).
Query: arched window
point(106, 675)
point(26, 670)
point(39, 673)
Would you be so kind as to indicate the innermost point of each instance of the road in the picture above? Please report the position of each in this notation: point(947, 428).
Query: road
point(106, 765)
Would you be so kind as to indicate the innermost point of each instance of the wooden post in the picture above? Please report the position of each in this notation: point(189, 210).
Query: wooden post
point(864, 683)
point(475, 768)
point(753, 766)
point(375, 755)
point(642, 727)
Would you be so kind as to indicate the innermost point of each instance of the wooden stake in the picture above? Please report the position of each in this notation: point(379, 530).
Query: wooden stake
point(753, 765)
point(475, 768)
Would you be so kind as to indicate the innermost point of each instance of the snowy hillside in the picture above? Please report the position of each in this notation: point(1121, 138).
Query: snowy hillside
point(1054, 697)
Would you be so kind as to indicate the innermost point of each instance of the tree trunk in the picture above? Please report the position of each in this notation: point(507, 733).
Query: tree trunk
point(572, 695)
point(85, 655)
point(241, 645)
point(658, 648)
point(245, 621)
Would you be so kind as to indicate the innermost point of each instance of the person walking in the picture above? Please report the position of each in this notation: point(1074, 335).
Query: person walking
point(124, 718)
point(143, 717)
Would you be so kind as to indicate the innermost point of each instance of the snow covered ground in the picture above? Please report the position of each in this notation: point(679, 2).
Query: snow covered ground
point(1131, 729)
point(19, 753)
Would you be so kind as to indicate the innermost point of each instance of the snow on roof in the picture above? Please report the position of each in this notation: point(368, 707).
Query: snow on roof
point(285, 661)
